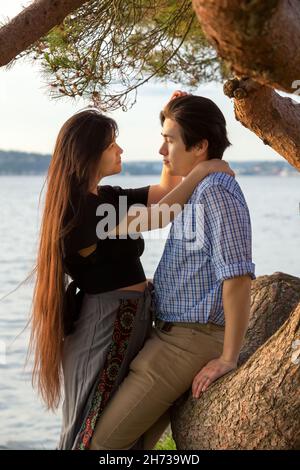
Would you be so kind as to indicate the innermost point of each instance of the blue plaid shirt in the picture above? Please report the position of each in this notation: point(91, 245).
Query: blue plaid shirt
point(210, 241)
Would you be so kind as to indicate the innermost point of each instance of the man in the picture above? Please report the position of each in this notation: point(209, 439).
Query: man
point(202, 286)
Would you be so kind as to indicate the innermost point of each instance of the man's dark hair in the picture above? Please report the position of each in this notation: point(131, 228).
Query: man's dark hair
point(199, 118)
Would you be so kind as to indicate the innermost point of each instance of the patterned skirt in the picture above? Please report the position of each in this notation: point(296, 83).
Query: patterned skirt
point(111, 329)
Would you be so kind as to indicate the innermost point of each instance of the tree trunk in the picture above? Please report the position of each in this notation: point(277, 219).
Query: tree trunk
point(259, 39)
point(258, 405)
point(274, 119)
point(31, 24)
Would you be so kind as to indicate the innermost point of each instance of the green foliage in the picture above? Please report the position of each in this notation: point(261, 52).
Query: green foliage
point(166, 443)
point(108, 48)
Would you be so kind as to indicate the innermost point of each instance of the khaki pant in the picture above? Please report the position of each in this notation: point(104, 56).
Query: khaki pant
point(162, 371)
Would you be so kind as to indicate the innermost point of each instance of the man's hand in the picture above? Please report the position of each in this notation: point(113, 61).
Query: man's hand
point(209, 373)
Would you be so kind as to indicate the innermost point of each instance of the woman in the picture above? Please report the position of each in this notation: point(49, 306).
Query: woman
point(86, 341)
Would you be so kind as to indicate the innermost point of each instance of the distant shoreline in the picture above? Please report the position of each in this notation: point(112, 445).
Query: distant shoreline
point(30, 164)
point(123, 174)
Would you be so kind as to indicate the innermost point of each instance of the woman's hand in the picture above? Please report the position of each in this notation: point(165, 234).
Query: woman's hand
point(205, 168)
point(208, 374)
point(177, 94)
point(215, 165)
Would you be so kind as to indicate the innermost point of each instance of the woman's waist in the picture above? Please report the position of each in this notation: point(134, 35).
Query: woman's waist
point(133, 290)
point(98, 281)
point(140, 287)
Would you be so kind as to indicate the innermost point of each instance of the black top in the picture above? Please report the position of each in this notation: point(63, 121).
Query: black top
point(116, 262)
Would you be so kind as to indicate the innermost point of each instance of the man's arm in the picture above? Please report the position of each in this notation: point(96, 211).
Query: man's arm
point(236, 303)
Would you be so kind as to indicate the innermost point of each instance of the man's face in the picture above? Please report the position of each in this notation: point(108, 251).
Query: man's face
point(176, 158)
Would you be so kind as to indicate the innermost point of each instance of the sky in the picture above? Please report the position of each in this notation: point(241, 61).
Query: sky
point(30, 120)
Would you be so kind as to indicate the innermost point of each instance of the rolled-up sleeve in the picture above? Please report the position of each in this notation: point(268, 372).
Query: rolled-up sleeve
point(228, 228)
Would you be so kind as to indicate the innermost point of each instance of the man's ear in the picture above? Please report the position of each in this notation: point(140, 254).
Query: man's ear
point(201, 147)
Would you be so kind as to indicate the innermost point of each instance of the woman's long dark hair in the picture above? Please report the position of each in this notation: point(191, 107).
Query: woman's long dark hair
point(74, 165)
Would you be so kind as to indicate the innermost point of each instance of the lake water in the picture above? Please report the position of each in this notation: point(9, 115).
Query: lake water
point(274, 206)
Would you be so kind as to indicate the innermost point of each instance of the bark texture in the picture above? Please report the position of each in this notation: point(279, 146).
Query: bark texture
point(273, 118)
point(258, 405)
point(31, 24)
point(258, 39)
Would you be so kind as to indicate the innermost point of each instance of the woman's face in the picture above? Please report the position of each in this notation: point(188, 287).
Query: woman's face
point(110, 162)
